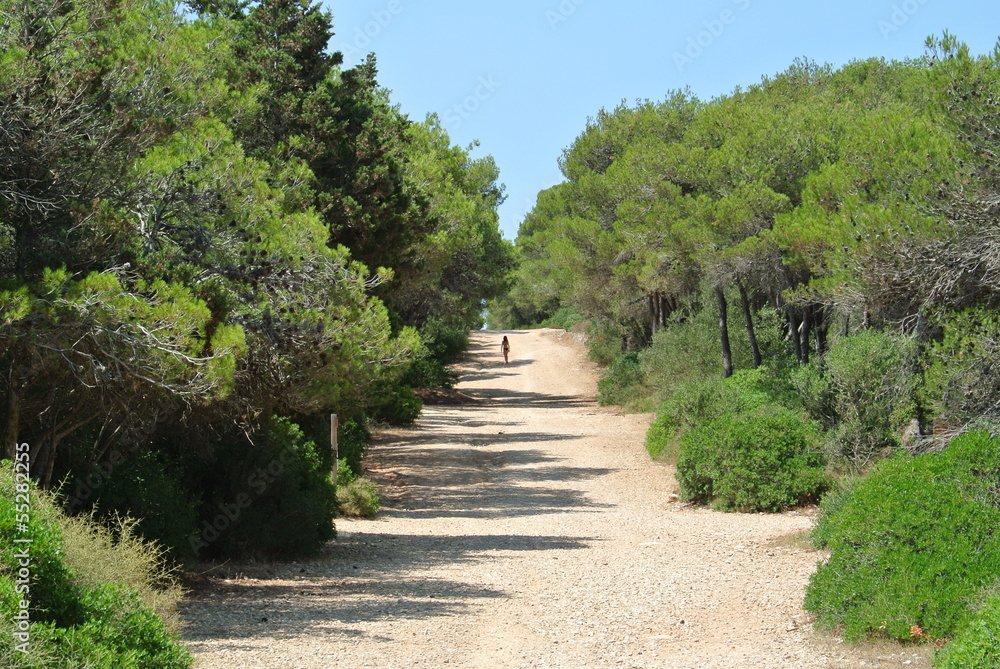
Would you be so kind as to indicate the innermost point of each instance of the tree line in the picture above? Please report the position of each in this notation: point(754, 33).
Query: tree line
point(822, 202)
point(212, 235)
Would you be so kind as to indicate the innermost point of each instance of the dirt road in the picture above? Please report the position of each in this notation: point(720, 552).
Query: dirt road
point(528, 529)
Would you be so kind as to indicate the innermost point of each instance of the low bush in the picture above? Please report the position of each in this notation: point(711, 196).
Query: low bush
point(914, 543)
point(696, 402)
point(397, 404)
point(82, 614)
point(148, 487)
point(271, 497)
point(565, 318)
point(358, 498)
point(766, 459)
point(873, 388)
point(621, 380)
point(979, 644)
point(429, 373)
point(352, 442)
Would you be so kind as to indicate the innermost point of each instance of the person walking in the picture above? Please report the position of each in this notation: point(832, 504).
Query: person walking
point(505, 348)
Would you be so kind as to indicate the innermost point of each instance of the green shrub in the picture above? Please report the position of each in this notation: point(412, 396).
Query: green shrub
point(620, 382)
point(270, 497)
point(565, 318)
point(444, 342)
point(358, 498)
point(963, 373)
point(873, 385)
point(397, 404)
point(429, 373)
point(979, 644)
point(145, 486)
point(761, 460)
point(118, 632)
point(696, 402)
point(604, 341)
point(77, 618)
point(916, 542)
point(352, 442)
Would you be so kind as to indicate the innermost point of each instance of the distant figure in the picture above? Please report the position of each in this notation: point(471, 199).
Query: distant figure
point(505, 348)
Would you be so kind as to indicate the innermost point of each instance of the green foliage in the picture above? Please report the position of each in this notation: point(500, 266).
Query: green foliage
point(760, 460)
point(144, 486)
point(397, 405)
point(916, 542)
point(962, 377)
point(429, 373)
point(83, 613)
point(358, 498)
point(872, 381)
point(564, 318)
point(270, 497)
point(978, 645)
point(352, 442)
point(621, 382)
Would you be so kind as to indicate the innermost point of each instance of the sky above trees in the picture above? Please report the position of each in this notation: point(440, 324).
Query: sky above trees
point(522, 76)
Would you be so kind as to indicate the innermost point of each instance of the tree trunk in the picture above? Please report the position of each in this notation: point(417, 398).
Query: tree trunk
point(727, 354)
point(652, 303)
point(793, 331)
point(748, 317)
point(805, 328)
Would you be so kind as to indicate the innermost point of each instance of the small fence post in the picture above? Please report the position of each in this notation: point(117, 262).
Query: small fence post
point(333, 447)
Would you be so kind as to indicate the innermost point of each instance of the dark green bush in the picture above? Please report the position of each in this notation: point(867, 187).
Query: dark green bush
point(916, 542)
point(397, 404)
point(979, 644)
point(270, 497)
point(146, 487)
point(105, 626)
point(760, 460)
point(444, 342)
point(352, 442)
point(429, 373)
point(620, 381)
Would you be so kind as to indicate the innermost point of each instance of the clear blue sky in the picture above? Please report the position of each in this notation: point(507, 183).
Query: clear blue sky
point(523, 76)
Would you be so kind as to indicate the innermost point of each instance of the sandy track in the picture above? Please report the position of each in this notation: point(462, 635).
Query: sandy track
point(528, 529)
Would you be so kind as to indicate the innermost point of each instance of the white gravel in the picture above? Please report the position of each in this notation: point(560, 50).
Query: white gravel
point(529, 529)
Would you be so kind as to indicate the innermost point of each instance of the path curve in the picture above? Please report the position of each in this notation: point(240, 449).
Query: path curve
point(528, 529)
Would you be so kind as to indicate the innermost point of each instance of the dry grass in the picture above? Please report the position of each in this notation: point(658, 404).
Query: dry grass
point(99, 554)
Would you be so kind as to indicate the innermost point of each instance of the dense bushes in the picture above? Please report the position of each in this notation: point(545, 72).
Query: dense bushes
point(760, 460)
point(979, 644)
point(77, 620)
point(271, 497)
point(915, 543)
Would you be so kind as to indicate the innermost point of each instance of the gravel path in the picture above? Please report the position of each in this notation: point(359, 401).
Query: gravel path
point(528, 528)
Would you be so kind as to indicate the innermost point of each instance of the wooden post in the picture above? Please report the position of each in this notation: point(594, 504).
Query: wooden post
point(333, 447)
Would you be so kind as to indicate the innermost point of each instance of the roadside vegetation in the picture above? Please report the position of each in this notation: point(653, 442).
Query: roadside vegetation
point(801, 280)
